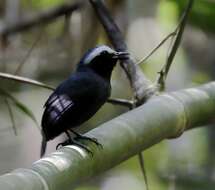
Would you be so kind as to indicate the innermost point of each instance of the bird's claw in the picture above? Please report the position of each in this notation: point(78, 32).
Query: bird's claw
point(59, 145)
point(94, 140)
point(67, 142)
point(74, 142)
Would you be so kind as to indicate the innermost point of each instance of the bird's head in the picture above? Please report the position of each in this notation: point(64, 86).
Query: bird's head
point(101, 60)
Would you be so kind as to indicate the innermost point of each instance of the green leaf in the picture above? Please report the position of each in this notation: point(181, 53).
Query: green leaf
point(20, 106)
point(202, 15)
point(11, 116)
point(41, 4)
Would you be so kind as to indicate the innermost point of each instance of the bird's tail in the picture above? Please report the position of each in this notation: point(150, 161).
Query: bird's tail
point(43, 145)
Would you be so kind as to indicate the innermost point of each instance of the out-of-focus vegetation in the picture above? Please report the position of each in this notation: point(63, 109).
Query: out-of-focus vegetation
point(40, 4)
point(202, 14)
point(49, 53)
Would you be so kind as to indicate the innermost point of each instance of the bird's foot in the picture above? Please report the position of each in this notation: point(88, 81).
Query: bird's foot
point(94, 140)
point(79, 136)
point(74, 142)
point(67, 142)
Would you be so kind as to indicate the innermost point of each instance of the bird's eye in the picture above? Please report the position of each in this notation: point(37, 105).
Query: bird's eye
point(104, 53)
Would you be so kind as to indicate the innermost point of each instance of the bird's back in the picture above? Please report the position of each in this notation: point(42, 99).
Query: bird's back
point(75, 100)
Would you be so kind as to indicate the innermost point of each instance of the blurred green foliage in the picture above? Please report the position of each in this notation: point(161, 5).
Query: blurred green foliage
point(23, 108)
point(38, 4)
point(167, 13)
point(202, 15)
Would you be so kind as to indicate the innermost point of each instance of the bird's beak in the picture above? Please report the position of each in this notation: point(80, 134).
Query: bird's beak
point(121, 55)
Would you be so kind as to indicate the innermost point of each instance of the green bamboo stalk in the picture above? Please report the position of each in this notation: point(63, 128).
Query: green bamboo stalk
point(164, 116)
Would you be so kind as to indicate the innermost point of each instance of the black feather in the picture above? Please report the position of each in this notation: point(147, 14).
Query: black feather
point(43, 145)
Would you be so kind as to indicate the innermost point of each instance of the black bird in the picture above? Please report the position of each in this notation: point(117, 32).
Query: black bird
point(80, 96)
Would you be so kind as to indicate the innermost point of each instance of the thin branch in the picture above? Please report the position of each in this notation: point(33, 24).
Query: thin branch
point(122, 102)
point(114, 101)
point(25, 80)
point(28, 53)
point(44, 17)
point(156, 48)
point(112, 30)
point(11, 116)
point(164, 72)
point(179, 36)
point(172, 34)
point(142, 166)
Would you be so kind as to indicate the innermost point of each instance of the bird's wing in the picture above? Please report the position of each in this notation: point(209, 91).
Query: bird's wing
point(68, 96)
point(56, 106)
point(71, 96)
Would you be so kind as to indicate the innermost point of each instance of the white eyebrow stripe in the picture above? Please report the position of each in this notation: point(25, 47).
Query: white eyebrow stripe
point(96, 52)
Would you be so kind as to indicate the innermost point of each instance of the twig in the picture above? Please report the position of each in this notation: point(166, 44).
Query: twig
point(42, 18)
point(164, 71)
point(28, 53)
point(172, 182)
point(11, 116)
point(25, 80)
point(161, 43)
point(122, 102)
point(157, 47)
point(142, 166)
